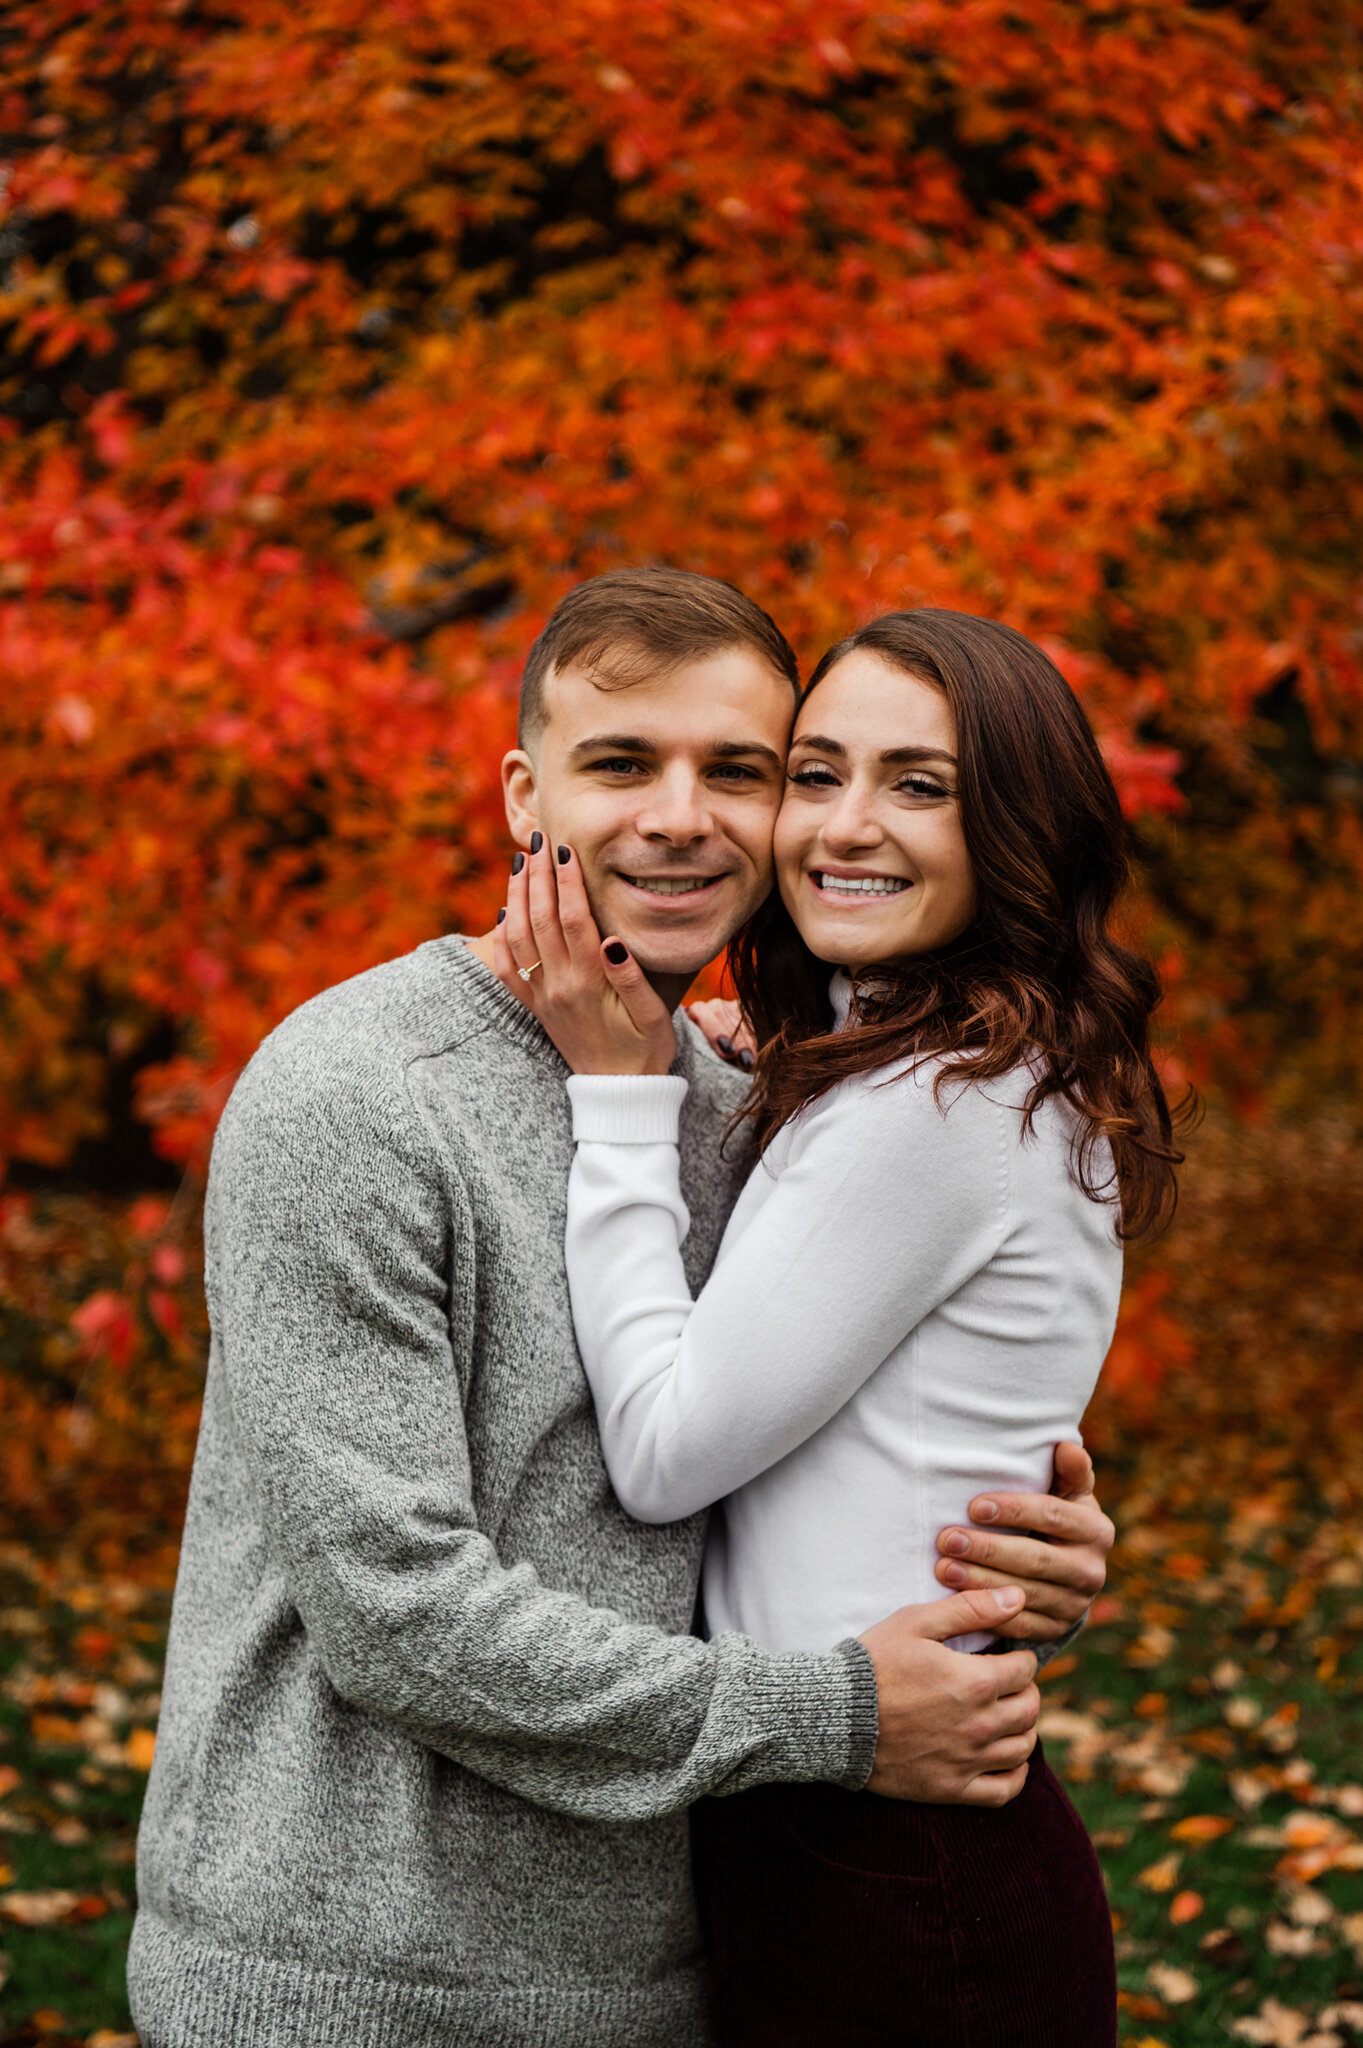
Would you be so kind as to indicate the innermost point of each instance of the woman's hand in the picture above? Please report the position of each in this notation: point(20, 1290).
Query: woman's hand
point(591, 996)
point(725, 1027)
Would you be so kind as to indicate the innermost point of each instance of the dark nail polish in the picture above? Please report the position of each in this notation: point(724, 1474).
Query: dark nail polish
point(536, 841)
point(565, 854)
point(518, 863)
point(725, 1045)
point(501, 914)
point(746, 1061)
point(616, 954)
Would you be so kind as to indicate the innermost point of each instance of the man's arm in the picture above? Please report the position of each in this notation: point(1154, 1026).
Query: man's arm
point(1060, 1562)
point(331, 1235)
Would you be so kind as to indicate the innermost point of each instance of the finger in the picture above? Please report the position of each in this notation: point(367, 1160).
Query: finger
point(1061, 1521)
point(575, 915)
point(1073, 1477)
point(995, 1788)
point(1008, 1671)
point(505, 964)
point(551, 947)
point(1013, 1719)
point(1037, 1629)
point(1016, 1558)
point(643, 1005)
point(1065, 1604)
point(520, 940)
point(936, 1621)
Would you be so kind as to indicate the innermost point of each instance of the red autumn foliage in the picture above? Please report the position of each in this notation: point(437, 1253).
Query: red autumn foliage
point(341, 341)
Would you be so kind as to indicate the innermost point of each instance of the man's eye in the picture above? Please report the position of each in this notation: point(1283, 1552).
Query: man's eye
point(619, 765)
point(734, 771)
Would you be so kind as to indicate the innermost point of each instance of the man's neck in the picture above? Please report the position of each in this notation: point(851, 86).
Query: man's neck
point(671, 987)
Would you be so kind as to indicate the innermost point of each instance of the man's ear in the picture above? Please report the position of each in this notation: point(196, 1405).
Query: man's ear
point(520, 793)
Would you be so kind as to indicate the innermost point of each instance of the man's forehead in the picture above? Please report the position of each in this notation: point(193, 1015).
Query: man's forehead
point(714, 702)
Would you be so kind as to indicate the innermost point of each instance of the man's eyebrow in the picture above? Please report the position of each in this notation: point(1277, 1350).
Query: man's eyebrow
point(893, 757)
point(633, 743)
point(614, 743)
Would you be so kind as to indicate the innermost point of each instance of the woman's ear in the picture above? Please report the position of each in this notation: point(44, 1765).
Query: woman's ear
point(520, 793)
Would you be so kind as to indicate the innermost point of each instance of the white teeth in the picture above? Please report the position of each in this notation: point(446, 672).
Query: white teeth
point(656, 886)
point(862, 885)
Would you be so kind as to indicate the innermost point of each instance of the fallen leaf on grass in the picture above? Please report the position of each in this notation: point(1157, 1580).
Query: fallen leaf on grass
point(1223, 1946)
point(1274, 2026)
point(1161, 1876)
point(1185, 1906)
point(140, 1748)
point(38, 1909)
point(46, 1909)
point(1282, 1940)
point(1174, 1986)
point(104, 2038)
point(10, 1779)
point(1200, 1827)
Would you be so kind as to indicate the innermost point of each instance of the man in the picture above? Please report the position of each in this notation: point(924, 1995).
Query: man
point(433, 1714)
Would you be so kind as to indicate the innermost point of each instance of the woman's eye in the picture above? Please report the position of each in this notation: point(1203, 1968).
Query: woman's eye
point(813, 777)
point(924, 786)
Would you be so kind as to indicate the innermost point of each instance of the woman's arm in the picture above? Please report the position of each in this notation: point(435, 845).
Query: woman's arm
point(886, 1205)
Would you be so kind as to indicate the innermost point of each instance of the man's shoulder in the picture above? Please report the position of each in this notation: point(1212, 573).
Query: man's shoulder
point(345, 1052)
point(715, 1086)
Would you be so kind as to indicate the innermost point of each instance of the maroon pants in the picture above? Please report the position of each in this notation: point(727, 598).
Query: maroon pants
point(840, 1917)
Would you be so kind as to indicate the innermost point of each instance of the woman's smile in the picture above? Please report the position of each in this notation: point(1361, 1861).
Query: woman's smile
point(856, 888)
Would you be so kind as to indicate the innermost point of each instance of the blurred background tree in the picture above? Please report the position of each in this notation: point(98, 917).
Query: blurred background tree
point(340, 341)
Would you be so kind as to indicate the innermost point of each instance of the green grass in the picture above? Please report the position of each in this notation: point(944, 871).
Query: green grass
point(1279, 1598)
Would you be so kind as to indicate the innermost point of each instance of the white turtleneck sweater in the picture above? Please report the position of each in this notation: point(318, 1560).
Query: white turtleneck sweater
point(910, 1305)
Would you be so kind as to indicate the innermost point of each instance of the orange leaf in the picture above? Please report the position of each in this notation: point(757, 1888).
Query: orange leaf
point(1201, 1827)
point(140, 1748)
point(1185, 1906)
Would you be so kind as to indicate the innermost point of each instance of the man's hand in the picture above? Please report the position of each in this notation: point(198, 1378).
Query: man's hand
point(1060, 1563)
point(954, 1730)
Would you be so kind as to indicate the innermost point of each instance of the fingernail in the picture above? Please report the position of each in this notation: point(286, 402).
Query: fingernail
point(1009, 1599)
point(616, 953)
point(536, 841)
point(518, 863)
point(726, 1045)
point(500, 916)
point(565, 854)
point(984, 1511)
point(955, 1575)
point(956, 1545)
point(746, 1060)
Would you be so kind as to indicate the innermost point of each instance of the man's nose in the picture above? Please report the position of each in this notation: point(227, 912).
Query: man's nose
point(677, 809)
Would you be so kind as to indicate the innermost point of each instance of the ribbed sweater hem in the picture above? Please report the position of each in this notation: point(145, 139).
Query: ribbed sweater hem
point(187, 1993)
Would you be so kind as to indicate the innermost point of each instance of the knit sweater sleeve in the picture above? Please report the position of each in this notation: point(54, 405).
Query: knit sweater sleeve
point(332, 1234)
point(887, 1202)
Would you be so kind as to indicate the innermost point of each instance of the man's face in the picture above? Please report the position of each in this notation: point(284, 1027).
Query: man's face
point(667, 791)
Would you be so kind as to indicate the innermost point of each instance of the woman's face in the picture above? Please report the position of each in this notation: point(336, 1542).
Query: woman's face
point(871, 860)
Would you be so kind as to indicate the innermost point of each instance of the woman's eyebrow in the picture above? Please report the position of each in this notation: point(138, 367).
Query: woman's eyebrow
point(895, 757)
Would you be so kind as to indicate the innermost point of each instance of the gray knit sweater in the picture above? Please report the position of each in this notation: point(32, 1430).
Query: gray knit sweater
point(432, 1713)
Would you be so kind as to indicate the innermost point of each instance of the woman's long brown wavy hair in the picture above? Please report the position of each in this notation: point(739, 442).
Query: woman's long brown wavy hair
point(1039, 975)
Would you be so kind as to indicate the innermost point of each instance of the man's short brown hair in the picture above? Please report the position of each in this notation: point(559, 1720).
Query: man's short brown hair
point(630, 624)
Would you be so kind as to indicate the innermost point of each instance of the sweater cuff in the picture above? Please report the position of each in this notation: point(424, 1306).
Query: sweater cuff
point(626, 1109)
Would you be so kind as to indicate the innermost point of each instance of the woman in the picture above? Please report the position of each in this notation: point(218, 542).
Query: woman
point(959, 1122)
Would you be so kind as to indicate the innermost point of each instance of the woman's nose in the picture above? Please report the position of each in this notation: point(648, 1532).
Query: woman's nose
point(850, 823)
